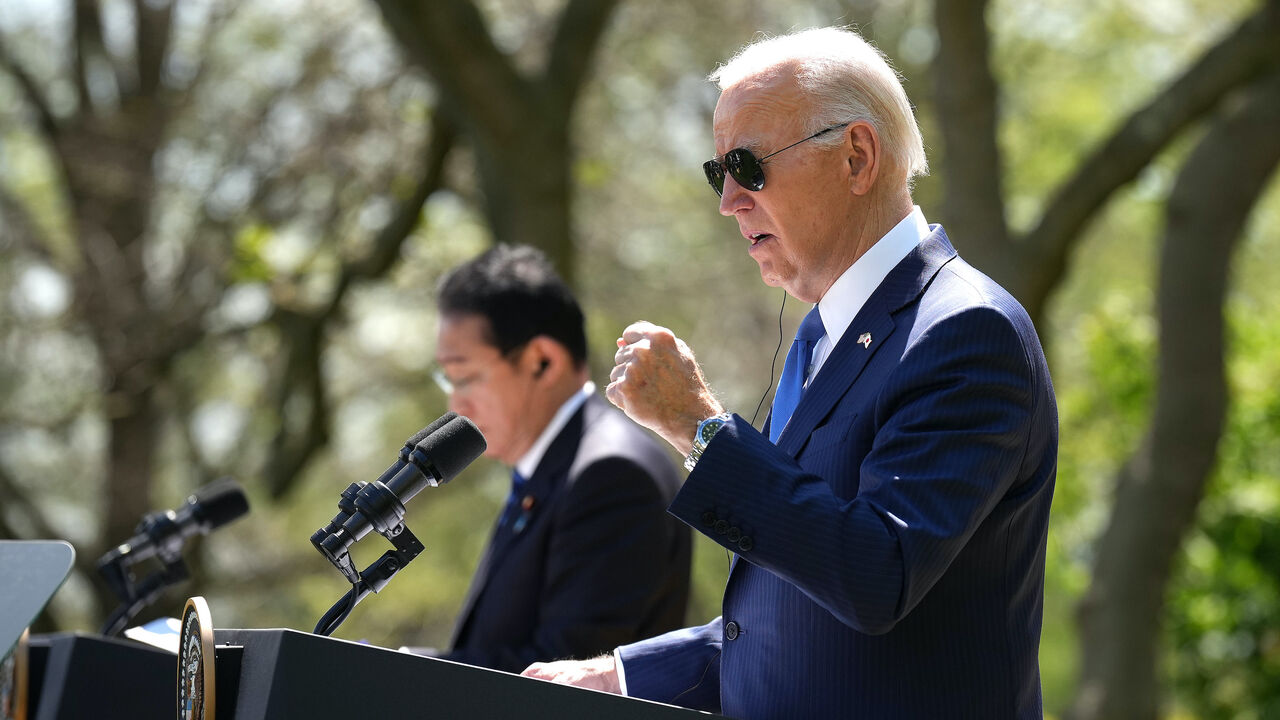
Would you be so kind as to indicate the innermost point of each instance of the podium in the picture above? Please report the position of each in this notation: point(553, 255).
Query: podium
point(276, 673)
point(289, 674)
point(32, 571)
point(273, 674)
point(65, 676)
point(72, 675)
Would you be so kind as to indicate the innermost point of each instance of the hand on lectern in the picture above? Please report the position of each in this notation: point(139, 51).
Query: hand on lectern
point(595, 674)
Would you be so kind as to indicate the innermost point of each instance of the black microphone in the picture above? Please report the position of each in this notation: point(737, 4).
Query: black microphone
point(163, 533)
point(412, 442)
point(346, 501)
point(379, 505)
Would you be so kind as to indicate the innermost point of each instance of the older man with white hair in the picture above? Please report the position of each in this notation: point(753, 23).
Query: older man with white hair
point(890, 522)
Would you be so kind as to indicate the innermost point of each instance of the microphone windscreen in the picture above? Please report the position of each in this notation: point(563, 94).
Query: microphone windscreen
point(434, 426)
point(453, 447)
point(218, 503)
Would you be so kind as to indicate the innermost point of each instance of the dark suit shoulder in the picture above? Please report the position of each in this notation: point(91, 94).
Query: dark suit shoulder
point(960, 285)
point(612, 440)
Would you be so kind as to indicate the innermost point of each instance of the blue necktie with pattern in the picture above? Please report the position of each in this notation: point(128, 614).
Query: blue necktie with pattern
point(513, 508)
point(794, 372)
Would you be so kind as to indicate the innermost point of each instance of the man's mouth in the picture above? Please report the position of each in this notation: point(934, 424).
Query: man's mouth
point(757, 238)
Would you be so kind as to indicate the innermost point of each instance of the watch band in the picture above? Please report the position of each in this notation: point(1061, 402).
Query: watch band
point(707, 429)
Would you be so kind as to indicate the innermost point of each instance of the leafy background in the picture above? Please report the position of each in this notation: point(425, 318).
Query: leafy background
point(296, 134)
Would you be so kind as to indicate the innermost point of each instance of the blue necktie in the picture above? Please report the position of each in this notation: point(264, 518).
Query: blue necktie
point(513, 508)
point(794, 371)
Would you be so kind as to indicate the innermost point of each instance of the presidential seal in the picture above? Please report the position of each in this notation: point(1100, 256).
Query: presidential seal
point(195, 662)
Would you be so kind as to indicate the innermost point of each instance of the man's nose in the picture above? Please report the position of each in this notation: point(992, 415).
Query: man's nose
point(735, 198)
point(458, 404)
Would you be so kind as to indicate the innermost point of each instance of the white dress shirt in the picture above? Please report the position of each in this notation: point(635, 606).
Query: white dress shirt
point(529, 461)
point(850, 291)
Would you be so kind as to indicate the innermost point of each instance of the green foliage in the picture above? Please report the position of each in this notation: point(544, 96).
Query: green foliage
point(248, 263)
point(1222, 631)
point(311, 106)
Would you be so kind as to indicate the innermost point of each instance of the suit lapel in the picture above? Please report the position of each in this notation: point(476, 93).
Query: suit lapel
point(865, 335)
point(546, 481)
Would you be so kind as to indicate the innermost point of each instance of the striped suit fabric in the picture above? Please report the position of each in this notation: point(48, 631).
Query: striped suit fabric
point(891, 546)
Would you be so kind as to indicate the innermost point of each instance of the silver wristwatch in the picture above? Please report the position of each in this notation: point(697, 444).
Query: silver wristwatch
point(707, 429)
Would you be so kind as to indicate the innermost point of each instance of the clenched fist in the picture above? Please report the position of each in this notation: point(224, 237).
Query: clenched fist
point(656, 381)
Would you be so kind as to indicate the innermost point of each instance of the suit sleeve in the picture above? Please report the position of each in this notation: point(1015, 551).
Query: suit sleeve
point(951, 426)
point(607, 556)
point(681, 667)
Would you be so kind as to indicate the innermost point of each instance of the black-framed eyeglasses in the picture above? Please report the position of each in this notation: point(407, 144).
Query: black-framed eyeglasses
point(746, 169)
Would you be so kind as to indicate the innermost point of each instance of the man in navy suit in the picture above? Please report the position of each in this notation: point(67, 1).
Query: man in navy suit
point(890, 521)
point(584, 556)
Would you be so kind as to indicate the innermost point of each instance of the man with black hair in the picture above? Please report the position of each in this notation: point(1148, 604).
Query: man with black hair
point(584, 556)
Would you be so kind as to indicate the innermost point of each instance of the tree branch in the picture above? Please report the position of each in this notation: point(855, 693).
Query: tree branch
point(1159, 490)
point(48, 124)
point(582, 24)
point(219, 16)
point(1245, 54)
point(304, 334)
point(449, 39)
point(86, 33)
point(390, 240)
point(153, 29)
point(12, 496)
point(15, 215)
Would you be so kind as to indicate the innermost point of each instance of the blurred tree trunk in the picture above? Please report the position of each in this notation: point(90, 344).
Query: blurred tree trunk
point(105, 154)
point(303, 331)
point(106, 151)
point(519, 125)
point(1158, 490)
point(966, 96)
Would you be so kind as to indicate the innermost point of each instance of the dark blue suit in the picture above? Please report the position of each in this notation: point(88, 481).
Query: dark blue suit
point(594, 562)
point(891, 546)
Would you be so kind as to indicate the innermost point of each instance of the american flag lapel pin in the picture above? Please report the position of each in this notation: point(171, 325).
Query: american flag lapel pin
point(865, 340)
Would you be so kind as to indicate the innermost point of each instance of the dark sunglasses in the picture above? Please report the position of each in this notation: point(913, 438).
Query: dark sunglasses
point(746, 169)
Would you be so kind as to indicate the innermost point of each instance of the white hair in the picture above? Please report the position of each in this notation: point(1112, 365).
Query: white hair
point(846, 78)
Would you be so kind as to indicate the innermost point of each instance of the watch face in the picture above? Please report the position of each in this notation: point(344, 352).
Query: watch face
point(708, 432)
point(710, 428)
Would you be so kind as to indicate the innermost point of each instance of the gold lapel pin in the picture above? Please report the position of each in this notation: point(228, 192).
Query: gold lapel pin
point(865, 340)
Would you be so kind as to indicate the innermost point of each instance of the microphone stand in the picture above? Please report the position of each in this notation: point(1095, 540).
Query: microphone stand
point(374, 578)
point(133, 598)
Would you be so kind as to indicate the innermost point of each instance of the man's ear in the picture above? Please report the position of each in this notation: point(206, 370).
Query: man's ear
point(542, 354)
point(863, 156)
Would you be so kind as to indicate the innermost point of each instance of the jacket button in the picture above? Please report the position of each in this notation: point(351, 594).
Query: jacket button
point(734, 534)
point(731, 630)
point(746, 543)
point(722, 527)
point(708, 518)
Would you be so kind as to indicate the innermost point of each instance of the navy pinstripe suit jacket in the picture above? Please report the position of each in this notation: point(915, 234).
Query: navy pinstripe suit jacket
point(891, 546)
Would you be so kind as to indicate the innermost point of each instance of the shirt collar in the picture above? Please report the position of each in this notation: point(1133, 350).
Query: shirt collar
point(851, 290)
point(529, 461)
